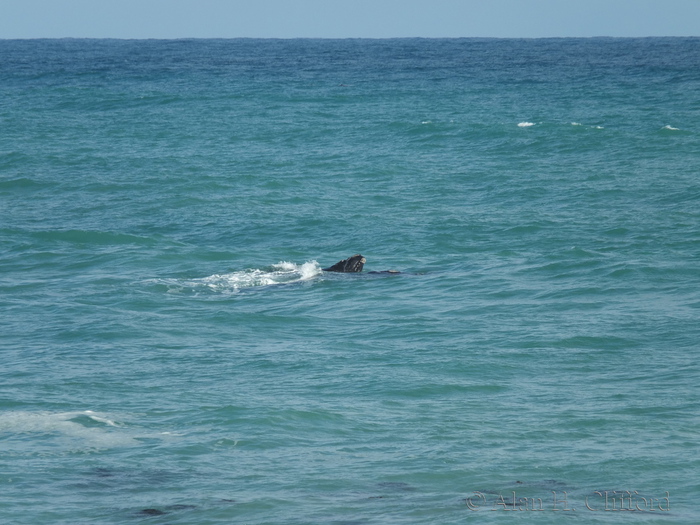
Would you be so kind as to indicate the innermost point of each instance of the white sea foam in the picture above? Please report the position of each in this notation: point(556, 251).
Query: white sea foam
point(525, 124)
point(100, 419)
point(281, 273)
point(592, 127)
point(66, 430)
point(671, 128)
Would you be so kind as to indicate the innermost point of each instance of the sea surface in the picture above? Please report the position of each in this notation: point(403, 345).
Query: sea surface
point(172, 352)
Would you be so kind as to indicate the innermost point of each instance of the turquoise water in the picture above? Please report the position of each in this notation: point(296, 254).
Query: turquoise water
point(173, 353)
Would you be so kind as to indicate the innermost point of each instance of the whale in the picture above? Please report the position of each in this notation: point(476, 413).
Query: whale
point(353, 264)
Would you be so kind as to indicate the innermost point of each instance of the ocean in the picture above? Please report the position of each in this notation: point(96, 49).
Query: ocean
point(173, 353)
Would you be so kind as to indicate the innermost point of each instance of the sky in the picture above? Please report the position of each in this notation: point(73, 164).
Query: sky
point(347, 18)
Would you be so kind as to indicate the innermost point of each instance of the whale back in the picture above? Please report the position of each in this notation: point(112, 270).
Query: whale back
point(352, 264)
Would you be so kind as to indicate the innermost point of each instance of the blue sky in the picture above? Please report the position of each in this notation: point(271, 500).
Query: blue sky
point(346, 18)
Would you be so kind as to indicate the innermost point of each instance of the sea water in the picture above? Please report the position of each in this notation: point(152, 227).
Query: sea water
point(173, 353)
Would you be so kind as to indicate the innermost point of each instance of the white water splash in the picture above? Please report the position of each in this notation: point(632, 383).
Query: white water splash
point(525, 124)
point(281, 273)
point(592, 127)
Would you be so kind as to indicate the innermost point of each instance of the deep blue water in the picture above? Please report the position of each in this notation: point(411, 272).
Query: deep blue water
point(173, 353)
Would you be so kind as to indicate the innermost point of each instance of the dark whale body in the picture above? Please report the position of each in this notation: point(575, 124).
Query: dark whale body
point(352, 264)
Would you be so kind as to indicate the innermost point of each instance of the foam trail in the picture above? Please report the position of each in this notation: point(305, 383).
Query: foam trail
point(69, 430)
point(281, 273)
